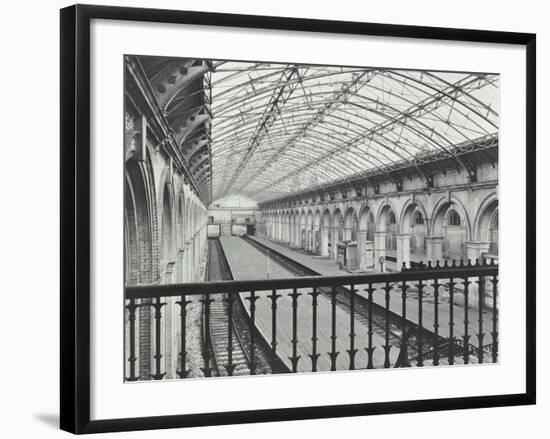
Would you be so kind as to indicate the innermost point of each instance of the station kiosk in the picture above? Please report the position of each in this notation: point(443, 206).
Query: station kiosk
point(367, 256)
point(347, 255)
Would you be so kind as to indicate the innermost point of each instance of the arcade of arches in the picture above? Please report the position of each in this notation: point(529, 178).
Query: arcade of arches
point(395, 228)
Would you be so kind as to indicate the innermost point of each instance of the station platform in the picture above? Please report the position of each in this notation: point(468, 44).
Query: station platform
point(327, 267)
point(246, 262)
point(319, 264)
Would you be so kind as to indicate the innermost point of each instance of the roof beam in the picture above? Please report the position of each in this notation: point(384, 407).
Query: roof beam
point(271, 113)
point(170, 82)
point(317, 118)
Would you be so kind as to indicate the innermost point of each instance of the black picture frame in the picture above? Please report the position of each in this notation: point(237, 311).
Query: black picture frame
point(75, 217)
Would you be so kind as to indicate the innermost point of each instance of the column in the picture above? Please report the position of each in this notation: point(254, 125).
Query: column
point(361, 240)
point(324, 240)
point(335, 242)
point(379, 251)
point(474, 250)
point(181, 266)
point(434, 248)
point(196, 253)
point(403, 250)
point(190, 267)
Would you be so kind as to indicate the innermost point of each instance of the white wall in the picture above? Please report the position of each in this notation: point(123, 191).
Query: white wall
point(29, 78)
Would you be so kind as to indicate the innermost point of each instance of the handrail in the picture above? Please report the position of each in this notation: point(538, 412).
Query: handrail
point(461, 271)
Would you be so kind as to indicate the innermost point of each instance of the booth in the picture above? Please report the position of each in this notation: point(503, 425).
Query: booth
point(367, 256)
point(346, 254)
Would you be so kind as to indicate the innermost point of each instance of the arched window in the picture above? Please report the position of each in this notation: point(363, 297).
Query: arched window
point(418, 218)
point(392, 217)
point(454, 218)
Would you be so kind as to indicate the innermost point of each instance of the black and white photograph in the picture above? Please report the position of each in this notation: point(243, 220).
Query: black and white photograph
point(296, 218)
point(246, 219)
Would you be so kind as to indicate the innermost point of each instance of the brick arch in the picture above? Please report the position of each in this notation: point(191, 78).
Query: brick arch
point(406, 214)
point(167, 229)
point(351, 223)
point(366, 217)
point(338, 212)
point(317, 218)
point(484, 215)
point(309, 218)
point(384, 207)
point(140, 213)
point(141, 249)
point(440, 210)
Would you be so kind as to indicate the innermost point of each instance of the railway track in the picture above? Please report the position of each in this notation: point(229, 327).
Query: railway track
point(219, 315)
point(218, 269)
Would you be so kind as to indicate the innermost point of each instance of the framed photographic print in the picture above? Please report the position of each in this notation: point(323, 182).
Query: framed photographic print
point(269, 218)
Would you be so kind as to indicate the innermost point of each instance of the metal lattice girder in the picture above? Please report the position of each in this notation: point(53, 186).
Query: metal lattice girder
point(271, 112)
point(347, 120)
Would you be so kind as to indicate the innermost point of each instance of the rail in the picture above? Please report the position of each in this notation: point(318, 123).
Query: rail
point(447, 301)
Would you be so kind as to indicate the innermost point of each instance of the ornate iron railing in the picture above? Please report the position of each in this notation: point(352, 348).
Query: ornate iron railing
point(424, 315)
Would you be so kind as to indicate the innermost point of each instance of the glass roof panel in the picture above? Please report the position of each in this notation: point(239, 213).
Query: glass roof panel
point(281, 128)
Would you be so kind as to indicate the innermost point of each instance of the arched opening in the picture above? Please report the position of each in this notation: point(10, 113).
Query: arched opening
point(317, 233)
point(388, 223)
point(326, 234)
point(451, 224)
point(351, 225)
point(415, 224)
point(137, 213)
point(291, 228)
point(366, 223)
point(309, 231)
point(180, 237)
point(365, 238)
point(493, 234)
point(487, 228)
point(302, 239)
point(337, 230)
point(167, 236)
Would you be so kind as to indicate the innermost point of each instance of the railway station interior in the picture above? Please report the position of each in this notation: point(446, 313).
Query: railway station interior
point(249, 171)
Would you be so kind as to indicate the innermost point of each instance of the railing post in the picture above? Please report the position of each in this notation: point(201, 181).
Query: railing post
point(451, 322)
point(466, 336)
point(183, 373)
point(494, 334)
point(314, 355)
point(387, 345)
point(207, 369)
point(370, 349)
point(274, 296)
point(420, 341)
point(132, 307)
point(157, 305)
point(436, 322)
point(480, 333)
point(403, 359)
point(333, 353)
point(230, 367)
point(352, 351)
point(252, 299)
point(295, 357)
